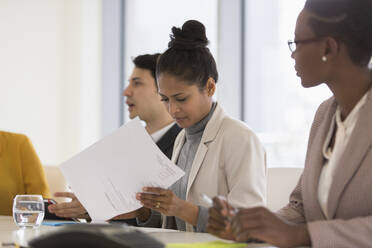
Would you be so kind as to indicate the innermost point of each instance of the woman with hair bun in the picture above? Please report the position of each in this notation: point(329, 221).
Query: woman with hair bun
point(332, 203)
point(220, 155)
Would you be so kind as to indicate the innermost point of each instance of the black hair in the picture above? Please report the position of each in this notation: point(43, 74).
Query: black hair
point(348, 21)
point(187, 56)
point(147, 62)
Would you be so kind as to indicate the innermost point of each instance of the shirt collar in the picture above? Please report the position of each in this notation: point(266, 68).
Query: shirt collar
point(156, 136)
point(353, 115)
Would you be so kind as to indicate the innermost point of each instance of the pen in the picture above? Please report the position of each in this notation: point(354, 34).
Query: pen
point(207, 200)
point(209, 203)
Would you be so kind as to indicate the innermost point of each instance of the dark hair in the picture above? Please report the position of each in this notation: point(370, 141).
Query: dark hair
point(147, 62)
point(187, 56)
point(348, 21)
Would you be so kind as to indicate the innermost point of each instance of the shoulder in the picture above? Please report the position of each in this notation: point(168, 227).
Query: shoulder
point(229, 130)
point(12, 143)
point(322, 111)
point(236, 128)
point(174, 130)
point(324, 106)
point(166, 142)
point(12, 138)
point(227, 125)
point(240, 145)
point(236, 137)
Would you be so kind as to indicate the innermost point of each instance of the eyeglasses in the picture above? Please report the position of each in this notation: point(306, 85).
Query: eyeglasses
point(292, 44)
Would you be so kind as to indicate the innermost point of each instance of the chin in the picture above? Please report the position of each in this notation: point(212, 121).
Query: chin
point(183, 124)
point(309, 84)
point(132, 115)
point(305, 84)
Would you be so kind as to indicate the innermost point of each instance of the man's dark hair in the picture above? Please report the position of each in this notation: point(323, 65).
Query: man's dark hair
point(147, 62)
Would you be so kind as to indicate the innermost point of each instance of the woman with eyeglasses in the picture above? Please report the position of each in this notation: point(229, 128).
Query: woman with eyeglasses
point(331, 205)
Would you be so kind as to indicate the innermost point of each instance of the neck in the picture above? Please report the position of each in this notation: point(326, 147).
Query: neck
point(349, 87)
point(160, 121)
point(207, 110)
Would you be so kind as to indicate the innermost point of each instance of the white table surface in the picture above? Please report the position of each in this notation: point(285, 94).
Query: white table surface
point(10, 233)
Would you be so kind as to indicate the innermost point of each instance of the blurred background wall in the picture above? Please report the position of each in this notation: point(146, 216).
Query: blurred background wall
point(64, 63)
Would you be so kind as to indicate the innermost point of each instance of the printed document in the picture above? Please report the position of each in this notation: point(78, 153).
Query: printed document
point(107, 175)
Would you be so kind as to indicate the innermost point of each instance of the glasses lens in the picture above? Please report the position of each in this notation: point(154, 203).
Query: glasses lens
point(292, 45)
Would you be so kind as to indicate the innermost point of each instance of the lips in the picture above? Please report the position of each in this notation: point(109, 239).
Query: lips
point(297, 73)
point(179, 119)
point(130, 105)
point(128, 102)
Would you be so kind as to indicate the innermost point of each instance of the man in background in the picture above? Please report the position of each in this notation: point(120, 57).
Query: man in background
point(143, 100)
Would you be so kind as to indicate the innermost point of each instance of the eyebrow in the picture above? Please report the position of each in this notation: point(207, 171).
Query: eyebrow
point(175, 95)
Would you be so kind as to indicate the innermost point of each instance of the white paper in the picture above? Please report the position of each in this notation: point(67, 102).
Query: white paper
point(106, 176)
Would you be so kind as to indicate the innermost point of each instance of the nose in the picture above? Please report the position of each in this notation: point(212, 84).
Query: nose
point(127, 91)
point(292, 54)
point(173, 108)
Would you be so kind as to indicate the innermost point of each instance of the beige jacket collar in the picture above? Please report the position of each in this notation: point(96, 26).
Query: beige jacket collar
point(210, 132)
point(360, 142)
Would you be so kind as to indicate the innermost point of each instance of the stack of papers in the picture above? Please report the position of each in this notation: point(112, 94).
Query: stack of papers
point(106, 176)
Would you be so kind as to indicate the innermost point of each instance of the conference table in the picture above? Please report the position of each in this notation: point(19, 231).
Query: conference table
point(10, 233)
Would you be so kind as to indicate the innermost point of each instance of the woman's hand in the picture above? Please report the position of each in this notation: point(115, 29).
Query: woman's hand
point(72, 209)
point(219, 221)
point(259, 223)
point(167, 203)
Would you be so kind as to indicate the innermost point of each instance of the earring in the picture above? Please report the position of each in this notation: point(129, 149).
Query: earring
point(324, 59)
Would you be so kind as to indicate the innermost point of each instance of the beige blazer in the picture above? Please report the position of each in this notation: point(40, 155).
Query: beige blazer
point(230, 161)
point(350, 196)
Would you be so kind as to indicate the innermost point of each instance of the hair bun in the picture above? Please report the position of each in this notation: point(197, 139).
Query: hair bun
point(191, 36)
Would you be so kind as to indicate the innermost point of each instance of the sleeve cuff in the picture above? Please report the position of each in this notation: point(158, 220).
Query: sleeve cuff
point(202, 221)
point(153, 221)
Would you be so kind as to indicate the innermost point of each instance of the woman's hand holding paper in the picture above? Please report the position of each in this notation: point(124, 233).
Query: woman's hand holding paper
point(167, 203)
